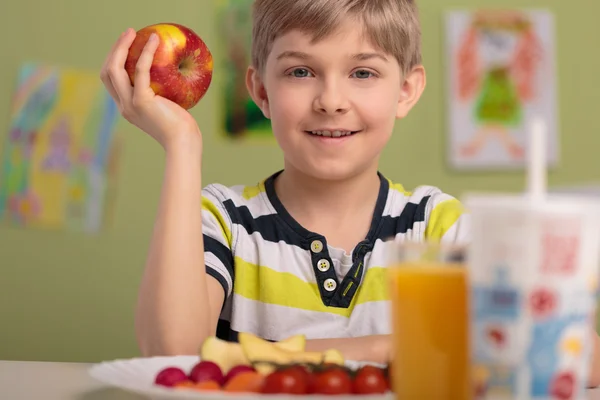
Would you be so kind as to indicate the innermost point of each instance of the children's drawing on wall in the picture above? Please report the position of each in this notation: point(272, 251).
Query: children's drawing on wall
point(241, 117)
point(501, 72)
point(58, 165)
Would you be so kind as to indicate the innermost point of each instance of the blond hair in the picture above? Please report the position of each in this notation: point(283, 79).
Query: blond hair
point(392, 25)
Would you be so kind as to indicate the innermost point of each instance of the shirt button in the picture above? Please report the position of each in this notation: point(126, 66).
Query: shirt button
point(323, 265)
point(330, 285)
point(316, 246)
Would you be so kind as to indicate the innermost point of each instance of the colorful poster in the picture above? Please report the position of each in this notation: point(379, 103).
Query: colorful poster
point(58, 164)
point(240, 116)
point(501, 73)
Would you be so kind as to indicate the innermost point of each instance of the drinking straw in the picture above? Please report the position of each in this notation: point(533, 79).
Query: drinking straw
point(536, 168)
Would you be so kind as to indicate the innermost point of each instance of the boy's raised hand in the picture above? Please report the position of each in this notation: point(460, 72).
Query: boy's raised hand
point(164, 120)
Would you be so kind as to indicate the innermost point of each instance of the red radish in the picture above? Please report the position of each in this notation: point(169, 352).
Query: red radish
point(238, 369)
point(206, 371)
point(170, 376)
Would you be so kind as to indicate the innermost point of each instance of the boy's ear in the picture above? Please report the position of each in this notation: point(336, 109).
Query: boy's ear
point(256, 88)
point(411, 90)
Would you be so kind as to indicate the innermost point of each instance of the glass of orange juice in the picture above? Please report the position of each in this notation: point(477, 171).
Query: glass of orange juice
point(429, 295)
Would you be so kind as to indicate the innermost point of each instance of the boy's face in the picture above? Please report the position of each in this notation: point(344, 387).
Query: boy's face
point(333, 103)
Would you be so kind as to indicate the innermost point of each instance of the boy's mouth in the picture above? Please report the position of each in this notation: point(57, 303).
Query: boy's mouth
point(332, 133)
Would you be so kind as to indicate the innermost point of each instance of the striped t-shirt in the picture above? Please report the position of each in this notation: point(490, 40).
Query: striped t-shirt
point(281, 279)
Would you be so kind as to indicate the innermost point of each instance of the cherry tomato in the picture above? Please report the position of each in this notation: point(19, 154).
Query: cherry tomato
point(369, 379)
point(331, 381)
point(206, 371)
point(289, 380)
point(170, 376)
point(302, 373)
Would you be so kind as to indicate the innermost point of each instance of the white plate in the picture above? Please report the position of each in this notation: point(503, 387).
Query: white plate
point(137, 375)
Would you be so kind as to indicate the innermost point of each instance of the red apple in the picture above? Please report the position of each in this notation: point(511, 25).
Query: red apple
point(182, 67)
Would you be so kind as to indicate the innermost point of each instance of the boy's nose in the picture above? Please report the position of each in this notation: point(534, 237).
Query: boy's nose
point(331, 100)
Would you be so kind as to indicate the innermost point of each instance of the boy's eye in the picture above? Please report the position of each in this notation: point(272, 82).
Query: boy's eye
point(363, 74)
point(300, 73)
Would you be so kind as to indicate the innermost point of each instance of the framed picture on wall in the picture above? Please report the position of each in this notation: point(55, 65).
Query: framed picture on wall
point(240, 117)
point(501, 74)
point(58, 168)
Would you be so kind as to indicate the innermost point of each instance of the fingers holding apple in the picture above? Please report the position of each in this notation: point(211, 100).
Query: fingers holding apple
point(155, 75)
point(104, 77)
point(112, 73)
point(142, 92)
point(116, 72)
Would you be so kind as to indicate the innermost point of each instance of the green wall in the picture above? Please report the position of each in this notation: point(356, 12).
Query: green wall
point(70, 297)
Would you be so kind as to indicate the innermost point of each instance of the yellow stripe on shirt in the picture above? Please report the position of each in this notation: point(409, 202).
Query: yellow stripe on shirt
point(442, 217)
point(399, 188)
point(253, 191)
point(211, 208)
point(373, 287)
point(266, 285)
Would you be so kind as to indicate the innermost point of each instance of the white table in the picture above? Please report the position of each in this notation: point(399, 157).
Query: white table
point(29, 380)
point(25, 380)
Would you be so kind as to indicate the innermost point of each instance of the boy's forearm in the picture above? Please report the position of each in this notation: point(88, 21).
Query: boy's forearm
point(172, 315)
point(365, 348)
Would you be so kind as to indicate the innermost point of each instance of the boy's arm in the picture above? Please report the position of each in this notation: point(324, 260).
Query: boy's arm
point(374, 348)
point(179, 303)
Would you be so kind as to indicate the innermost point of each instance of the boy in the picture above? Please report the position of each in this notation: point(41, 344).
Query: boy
point(302, 251)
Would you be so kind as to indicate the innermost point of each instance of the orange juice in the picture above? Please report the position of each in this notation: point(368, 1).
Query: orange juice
point(430, 331)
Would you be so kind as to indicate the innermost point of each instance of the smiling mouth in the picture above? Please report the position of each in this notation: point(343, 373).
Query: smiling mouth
point(334, 134)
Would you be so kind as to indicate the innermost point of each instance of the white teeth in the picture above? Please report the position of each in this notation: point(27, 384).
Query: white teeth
point(332, 133)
